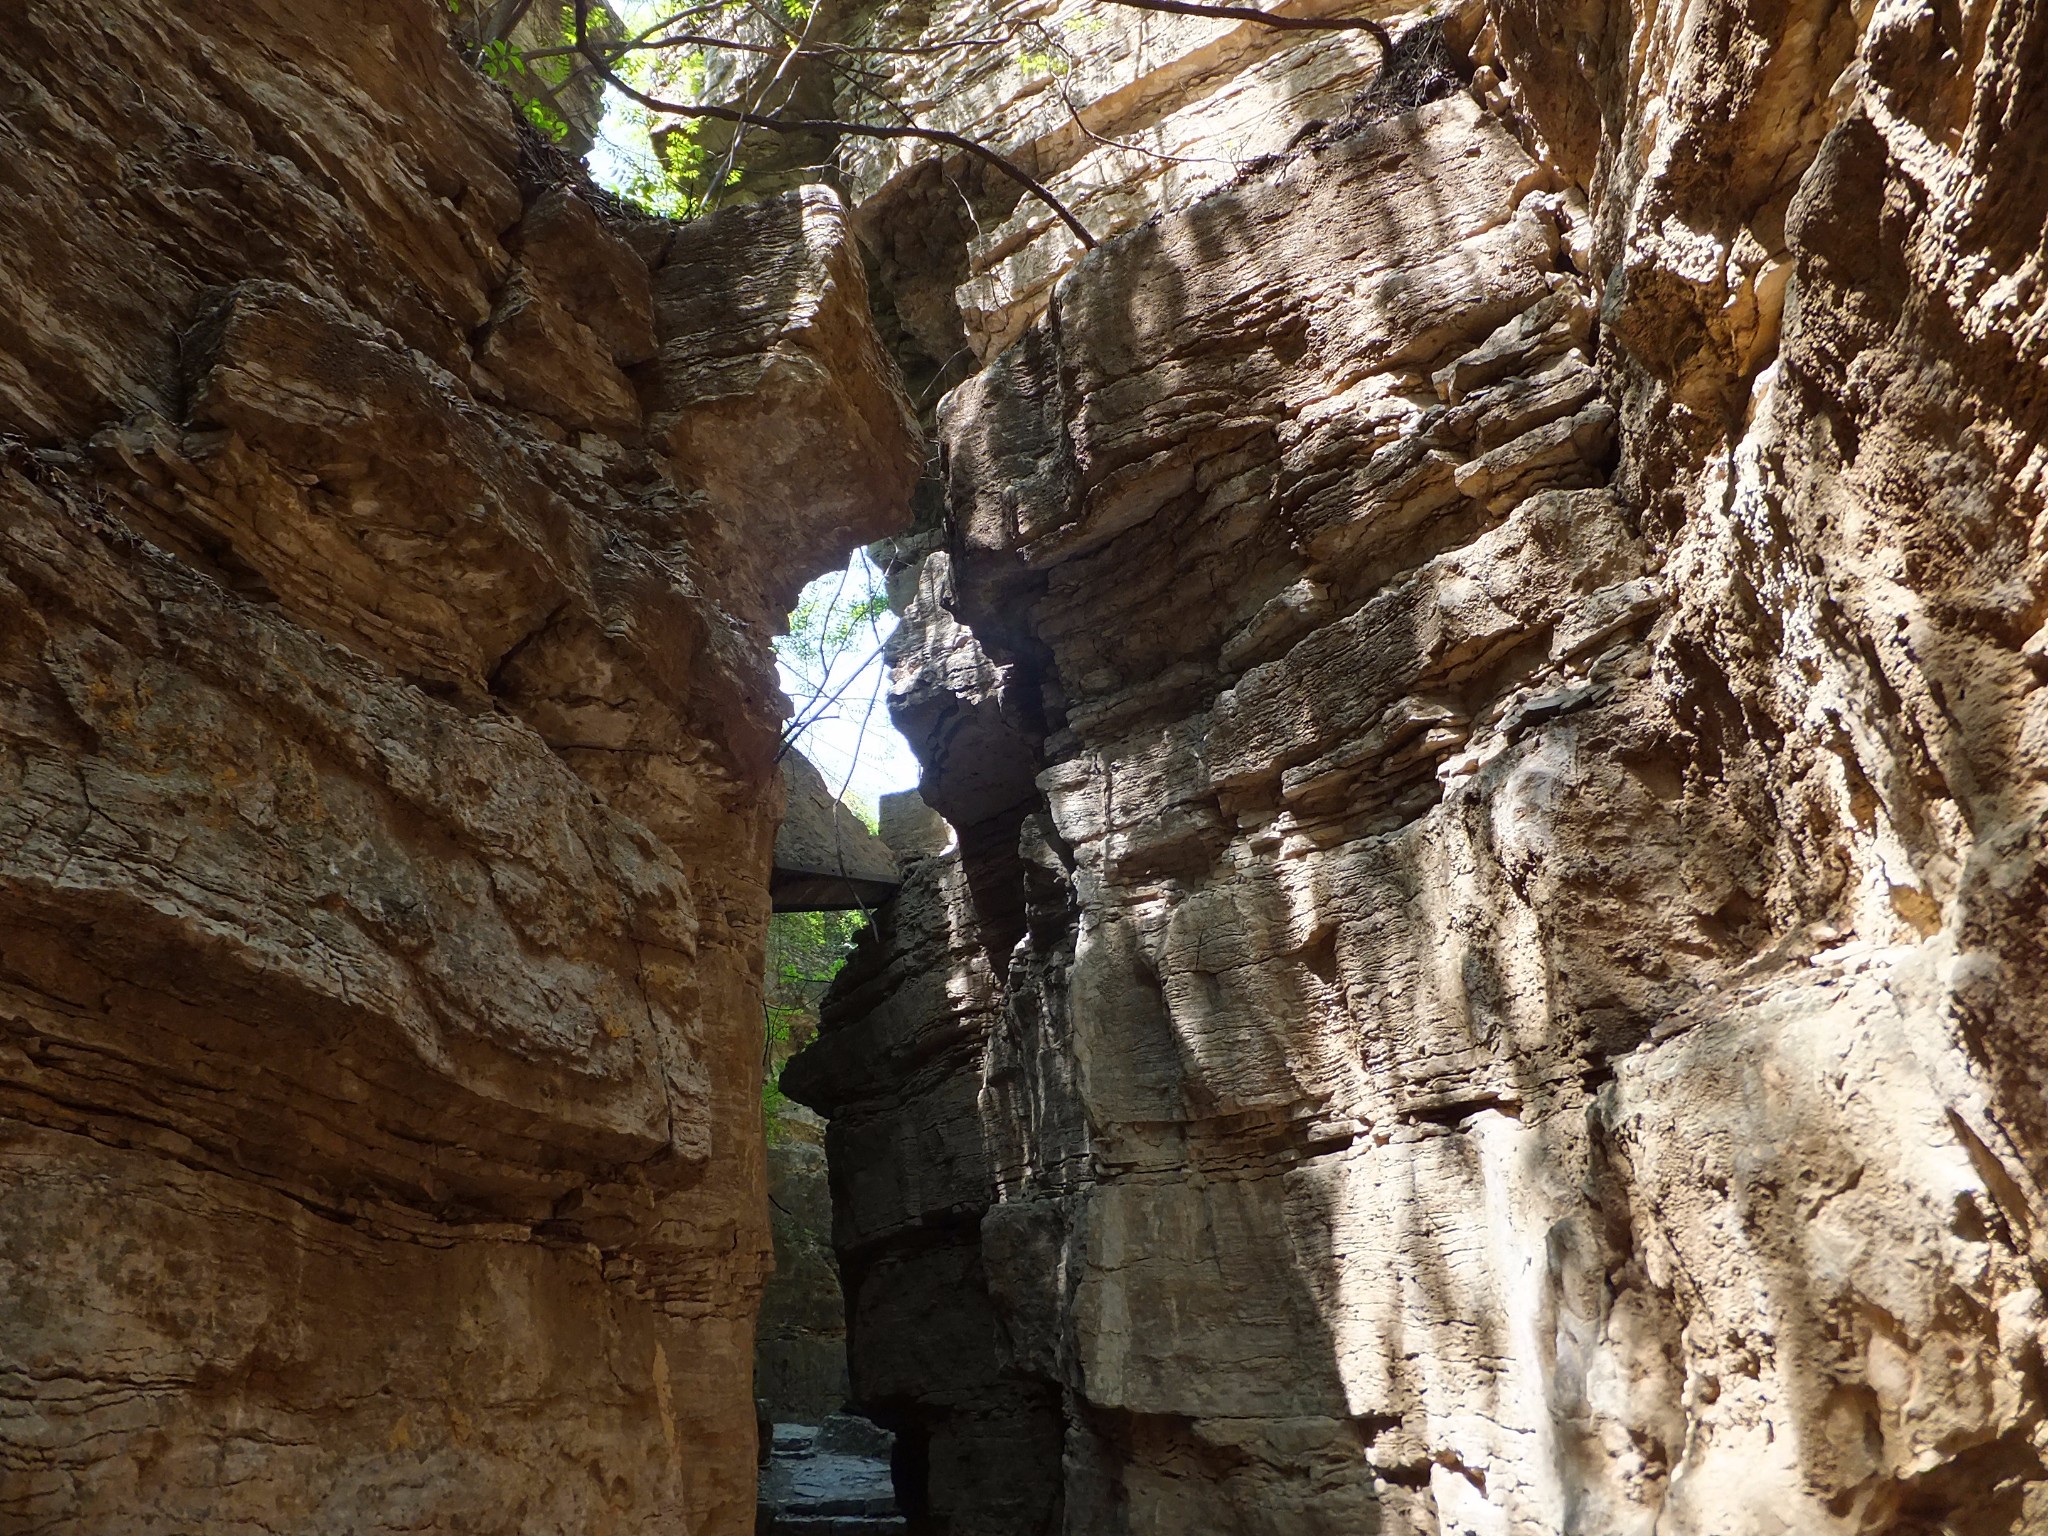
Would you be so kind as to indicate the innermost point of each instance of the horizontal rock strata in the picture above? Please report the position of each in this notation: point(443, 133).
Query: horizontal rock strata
point(390, 534)
point(1486, 684)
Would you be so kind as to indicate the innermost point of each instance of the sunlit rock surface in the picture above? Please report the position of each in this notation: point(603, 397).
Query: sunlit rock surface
point(387, 783)
point(1120, 113)
point(1486, 680)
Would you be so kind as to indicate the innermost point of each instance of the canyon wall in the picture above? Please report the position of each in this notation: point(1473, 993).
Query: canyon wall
point(391, 529)
point(1483, 968)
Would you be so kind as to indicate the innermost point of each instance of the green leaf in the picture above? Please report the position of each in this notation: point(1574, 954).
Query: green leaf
point(547, 122)
point(1035, 65)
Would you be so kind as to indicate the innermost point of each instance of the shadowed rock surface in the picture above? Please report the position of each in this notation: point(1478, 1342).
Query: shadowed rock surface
point(390, 537)
point(1487, 677)
point(800, 1346)
point(829, 1479)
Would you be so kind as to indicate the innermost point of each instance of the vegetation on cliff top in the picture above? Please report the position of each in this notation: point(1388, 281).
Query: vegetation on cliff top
point(776, 66)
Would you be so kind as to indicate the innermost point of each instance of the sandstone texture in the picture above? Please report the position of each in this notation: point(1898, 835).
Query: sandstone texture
point(1120, 113)
point(390, 536)
point(829, 870)
point(1483, 971)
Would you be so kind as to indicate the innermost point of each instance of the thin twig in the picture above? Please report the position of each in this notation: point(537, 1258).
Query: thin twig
point(732, 152)
point(825, 626)
point(815, 712)
point(815, 51)
point(679, 40)
point(919, 48)
point(1073, 111)
point(1265, 18)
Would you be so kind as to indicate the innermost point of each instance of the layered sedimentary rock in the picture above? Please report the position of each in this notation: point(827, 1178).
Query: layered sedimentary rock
point(826, 861)
point(390, 534)
point(800, 1345)
point(1487, 681)
point(1120, 113)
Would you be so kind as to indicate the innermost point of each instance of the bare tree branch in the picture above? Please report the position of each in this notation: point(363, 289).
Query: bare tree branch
point(503, 18)
point(779, 124)
point(919, 48)
point(1379, 32)
point(815, 710)
point(615, 51)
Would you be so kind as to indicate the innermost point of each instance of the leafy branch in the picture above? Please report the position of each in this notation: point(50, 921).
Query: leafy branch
point(594, 54)
point(596, 49)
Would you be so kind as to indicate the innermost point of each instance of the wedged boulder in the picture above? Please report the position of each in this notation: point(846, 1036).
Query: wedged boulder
point(826, 859)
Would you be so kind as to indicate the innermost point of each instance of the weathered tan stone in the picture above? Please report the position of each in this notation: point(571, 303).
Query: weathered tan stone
point(1121, 113)
point(387, 786)
point(775, 393)
point(1482, 971)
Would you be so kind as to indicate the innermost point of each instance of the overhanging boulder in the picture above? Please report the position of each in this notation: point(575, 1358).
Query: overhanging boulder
point(826, 860)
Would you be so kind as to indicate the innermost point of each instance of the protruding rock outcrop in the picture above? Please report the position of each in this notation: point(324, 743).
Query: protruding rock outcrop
point(387, 757)
point(1488, 680)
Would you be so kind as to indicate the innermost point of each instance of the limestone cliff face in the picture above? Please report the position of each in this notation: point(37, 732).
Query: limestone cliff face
point(1486, 975)
point(389, 540)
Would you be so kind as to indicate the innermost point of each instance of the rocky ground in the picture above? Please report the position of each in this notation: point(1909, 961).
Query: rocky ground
point(829, 1479)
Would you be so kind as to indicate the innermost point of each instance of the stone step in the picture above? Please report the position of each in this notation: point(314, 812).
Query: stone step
point(769, 1522)
point(828, 1480)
